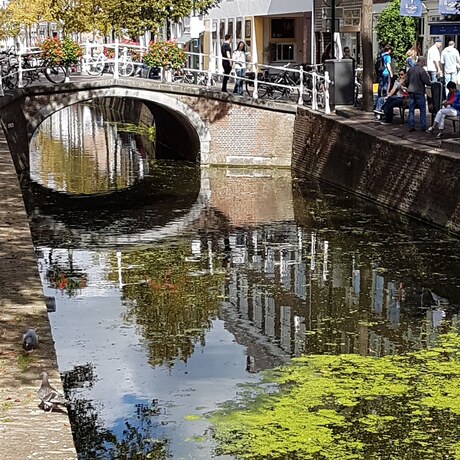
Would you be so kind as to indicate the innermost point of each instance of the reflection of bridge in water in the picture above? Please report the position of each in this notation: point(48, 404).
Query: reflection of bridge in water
point(309, 286)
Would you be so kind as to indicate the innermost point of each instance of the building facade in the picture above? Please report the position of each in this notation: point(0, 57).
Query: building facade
point(276, 32)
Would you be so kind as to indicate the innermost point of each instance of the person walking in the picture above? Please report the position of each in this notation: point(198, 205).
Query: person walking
point(450, 60)
point(239, 61)
point(417, 79)
point(226, 51)
point(451, 108)
point(433, 60)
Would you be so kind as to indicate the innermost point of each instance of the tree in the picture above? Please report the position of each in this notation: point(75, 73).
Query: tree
point(396, 30)
point(366, 40)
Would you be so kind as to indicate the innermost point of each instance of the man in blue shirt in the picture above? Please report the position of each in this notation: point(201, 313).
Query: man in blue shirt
point(387, 73)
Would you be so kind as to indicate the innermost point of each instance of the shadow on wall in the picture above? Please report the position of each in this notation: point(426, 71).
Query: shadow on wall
point(398, 176)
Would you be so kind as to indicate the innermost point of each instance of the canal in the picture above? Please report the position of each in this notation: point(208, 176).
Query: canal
point(171, 288)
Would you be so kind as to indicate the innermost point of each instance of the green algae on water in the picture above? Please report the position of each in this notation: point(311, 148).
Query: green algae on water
point(352, 407)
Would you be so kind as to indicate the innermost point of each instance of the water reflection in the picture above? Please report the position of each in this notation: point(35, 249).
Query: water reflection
point(168, 329)
point(153, 334)
point(84, 149)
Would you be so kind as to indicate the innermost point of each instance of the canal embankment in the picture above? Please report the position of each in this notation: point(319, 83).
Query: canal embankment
point(26, 431)
point(410, 172)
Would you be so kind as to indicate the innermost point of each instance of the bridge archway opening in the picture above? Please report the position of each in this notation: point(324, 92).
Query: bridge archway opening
point(180, 132)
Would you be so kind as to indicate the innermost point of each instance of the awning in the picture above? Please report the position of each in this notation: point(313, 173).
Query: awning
point(183, 39)
point(444, 28)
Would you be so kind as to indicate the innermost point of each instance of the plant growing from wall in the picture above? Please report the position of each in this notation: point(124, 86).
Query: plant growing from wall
point(398, 31)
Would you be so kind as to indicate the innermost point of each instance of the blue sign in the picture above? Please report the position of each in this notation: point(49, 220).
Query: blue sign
point(412, 7)
point(444, 28)
point(447, 7)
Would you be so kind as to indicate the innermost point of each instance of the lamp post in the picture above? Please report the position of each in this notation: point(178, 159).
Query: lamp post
point(333, 29)
point(194, 44)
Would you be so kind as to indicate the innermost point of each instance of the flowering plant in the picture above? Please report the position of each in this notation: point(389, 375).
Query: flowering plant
point(165, 54)
point(60, 52)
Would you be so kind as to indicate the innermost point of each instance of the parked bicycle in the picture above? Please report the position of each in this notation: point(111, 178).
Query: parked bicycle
point(100, 64)
point(32, 68)
point(188, 77)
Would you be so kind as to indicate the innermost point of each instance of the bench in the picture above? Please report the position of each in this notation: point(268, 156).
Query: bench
point(454, 119)
point(403, 108)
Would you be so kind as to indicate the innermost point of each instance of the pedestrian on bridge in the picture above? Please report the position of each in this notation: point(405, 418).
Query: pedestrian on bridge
point(239, 61)
point(226, 61)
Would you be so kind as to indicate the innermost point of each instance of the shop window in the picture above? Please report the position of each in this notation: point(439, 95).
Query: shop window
point(284, 52)
point(239, 29)
point(283, 28)
point(222, 30)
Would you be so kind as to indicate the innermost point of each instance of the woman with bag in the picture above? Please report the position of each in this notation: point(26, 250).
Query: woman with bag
point(239, 62)
point(395, 98)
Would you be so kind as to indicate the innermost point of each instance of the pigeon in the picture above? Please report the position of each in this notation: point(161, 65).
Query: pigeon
point(49, 396)
point(30, 340)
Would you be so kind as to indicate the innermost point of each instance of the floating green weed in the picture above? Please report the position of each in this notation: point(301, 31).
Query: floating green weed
point(141, 130)
point(352, 407)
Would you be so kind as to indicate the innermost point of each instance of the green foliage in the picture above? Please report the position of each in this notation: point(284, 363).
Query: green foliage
point(397, 31)
point(165, 54)
point(353, 407)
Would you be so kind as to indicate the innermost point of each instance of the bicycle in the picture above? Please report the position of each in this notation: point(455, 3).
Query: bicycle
point(262, 89)
point(99, 64)
point(32, 69)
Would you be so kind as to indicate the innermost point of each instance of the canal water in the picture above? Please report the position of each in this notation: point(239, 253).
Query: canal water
point(170, 288)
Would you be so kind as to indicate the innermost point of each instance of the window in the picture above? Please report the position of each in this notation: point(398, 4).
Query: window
point(283, 28)
point(352, 17)
point(239, 29)
point(284, 52)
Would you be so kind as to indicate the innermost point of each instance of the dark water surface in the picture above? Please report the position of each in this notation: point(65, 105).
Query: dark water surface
point(163, 291)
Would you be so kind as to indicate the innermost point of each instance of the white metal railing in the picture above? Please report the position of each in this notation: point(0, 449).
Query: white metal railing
point(310, 86)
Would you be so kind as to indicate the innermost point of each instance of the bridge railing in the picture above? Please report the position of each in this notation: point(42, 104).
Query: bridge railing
point(276, 82)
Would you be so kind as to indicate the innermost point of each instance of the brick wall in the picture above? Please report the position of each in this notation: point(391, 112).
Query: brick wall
point(408, 178)
point(251, 133)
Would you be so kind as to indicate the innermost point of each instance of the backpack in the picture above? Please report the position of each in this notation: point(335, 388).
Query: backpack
point(379, 64)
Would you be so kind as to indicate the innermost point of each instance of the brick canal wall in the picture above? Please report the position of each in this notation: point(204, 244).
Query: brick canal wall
point(414, 179)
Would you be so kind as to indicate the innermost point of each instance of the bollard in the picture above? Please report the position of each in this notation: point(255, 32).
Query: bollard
point(300, 101)
point(314, 96)
point(327, 107)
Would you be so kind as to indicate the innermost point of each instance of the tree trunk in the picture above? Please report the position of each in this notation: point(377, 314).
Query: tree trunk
point(366, 40)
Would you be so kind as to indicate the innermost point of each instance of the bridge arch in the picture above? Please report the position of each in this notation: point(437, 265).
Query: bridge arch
point(190, 137)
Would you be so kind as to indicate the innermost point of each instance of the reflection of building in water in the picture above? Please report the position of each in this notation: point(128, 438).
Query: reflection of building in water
point(307, 295)
point(77, 150)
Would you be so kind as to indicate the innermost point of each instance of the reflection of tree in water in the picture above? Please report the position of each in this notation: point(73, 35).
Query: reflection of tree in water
point(93, 440)
point(171, 300)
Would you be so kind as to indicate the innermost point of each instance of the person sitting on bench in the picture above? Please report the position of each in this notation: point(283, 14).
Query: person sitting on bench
point(395, 98)
point(451, 108)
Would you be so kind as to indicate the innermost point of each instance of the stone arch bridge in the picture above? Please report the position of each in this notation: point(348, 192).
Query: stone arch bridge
point(205, 126)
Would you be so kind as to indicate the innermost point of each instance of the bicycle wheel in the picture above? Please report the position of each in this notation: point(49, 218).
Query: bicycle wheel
point(55, 74)
point(94, 67)
point(11, 77)
point(125, 69)
point(266, 91)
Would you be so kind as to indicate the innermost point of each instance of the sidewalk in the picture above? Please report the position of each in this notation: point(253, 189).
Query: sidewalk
point(26, 431)
point(449, 141)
